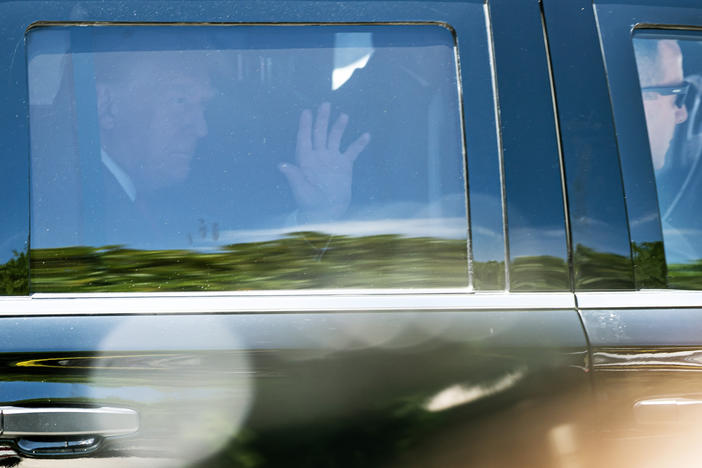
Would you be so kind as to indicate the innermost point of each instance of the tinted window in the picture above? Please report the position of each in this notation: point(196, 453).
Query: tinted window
point(670, 76)
point(245, 157)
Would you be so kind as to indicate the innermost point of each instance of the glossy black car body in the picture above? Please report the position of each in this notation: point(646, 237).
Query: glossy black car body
point(553, 354)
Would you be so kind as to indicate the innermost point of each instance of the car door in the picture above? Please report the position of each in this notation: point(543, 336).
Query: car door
point(419, 310)
point(632, 192)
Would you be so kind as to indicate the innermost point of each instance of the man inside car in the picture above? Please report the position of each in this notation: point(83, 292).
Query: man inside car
point(675, 153)
point(151, 112)
point(663, 90)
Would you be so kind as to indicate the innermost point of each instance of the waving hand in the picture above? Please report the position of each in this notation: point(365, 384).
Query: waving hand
point(321, 179)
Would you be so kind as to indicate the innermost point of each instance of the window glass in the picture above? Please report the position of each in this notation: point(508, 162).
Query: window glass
point(670, 76)
point(169, 158)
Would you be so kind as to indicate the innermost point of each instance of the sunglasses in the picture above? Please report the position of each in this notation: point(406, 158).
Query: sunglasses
point(679, 91)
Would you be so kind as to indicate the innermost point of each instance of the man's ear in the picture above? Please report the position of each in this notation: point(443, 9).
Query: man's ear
point(680, 114)
point(105, 107)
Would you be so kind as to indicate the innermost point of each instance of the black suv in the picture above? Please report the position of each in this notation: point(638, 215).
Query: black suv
point(350, 233)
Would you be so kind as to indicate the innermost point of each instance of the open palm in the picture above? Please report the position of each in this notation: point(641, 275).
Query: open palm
point(321, 179)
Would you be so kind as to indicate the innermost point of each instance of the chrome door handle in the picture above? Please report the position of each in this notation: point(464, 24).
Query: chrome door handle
point(60, 432)
point(45, 422)
point(71, 447)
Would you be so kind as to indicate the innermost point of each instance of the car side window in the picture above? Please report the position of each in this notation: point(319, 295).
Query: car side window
point(669, 67)
point(183, 158)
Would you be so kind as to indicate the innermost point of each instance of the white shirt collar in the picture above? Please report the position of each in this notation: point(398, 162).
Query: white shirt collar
point(122, 177)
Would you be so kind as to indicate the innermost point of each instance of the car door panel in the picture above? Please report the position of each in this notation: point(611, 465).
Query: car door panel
point(363, 377)
point(196, 380)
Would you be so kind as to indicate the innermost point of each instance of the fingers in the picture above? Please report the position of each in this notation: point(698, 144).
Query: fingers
point(321, 124)
point(304, 133)
point(337, 132)
point(318, 138)
point(356, 147)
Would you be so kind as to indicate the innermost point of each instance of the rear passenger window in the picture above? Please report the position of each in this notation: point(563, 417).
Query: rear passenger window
point(169, 158)
point(670, 74)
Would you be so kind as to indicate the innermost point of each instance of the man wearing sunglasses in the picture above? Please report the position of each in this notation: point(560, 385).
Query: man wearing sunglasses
point(675, 158)
point(663, 89)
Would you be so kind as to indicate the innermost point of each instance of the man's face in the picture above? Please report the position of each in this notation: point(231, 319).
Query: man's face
point(662, 114)
point(156, 118)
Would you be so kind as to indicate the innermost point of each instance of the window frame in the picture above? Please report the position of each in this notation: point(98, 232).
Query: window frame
point(471, 47)
point(617, 25)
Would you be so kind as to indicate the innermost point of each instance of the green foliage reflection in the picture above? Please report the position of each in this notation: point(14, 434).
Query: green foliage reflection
point(371, 438)
point(14, 275)
point(539, 273)
point(685, 275)
point(489, 275)
point(649, 265)
point(601, 270)
point(302, 260)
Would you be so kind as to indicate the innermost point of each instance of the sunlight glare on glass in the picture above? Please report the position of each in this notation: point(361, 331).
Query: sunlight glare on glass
point(351, 52)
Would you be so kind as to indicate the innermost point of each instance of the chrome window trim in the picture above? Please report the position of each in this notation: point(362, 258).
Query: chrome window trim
point(500, 153)
point(275, 302)
point(645, 299)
